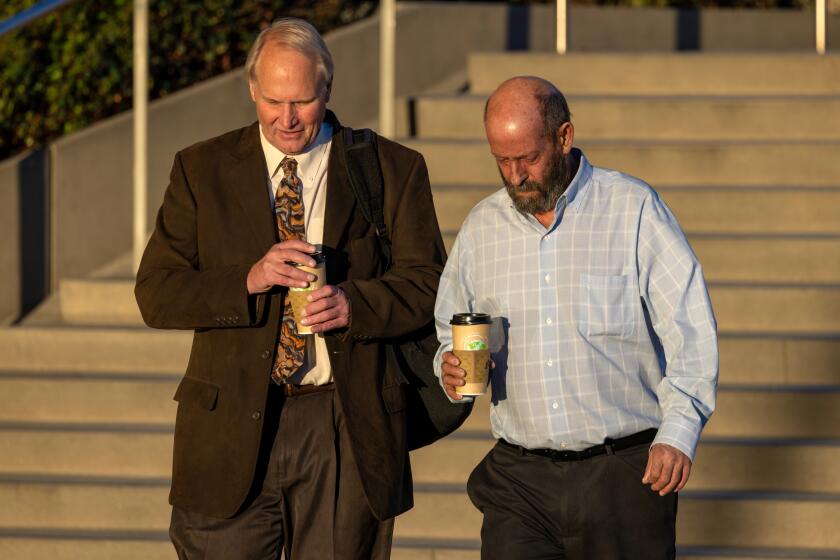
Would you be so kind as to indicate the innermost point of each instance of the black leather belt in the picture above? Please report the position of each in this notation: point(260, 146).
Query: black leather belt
point(292, 390)
point(607, 448)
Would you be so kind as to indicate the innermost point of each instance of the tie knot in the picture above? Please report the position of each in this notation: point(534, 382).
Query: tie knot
point(289, 167)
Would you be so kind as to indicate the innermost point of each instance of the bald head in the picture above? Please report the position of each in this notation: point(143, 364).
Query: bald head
point(526, 105)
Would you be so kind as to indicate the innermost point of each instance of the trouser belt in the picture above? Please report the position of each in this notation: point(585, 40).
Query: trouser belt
point(293, 390)
point(607, 448)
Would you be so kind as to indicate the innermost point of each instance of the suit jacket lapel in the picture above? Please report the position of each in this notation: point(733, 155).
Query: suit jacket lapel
point(249, 179)
point(340, 200)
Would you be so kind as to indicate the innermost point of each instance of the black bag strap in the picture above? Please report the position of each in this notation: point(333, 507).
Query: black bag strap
point(362, 161)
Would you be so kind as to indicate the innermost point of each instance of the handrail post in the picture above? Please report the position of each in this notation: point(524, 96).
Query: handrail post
point(141, 97)
point(821, 9)
point(562, 26)
point(387, 48)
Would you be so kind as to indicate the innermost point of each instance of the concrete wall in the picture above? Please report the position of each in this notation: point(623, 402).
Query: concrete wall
point(24, 278)
point(91, 170)
point(668, 29)
point(91, 185)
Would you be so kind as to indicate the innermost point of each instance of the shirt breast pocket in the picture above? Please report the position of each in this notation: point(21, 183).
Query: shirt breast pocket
point(607, 305)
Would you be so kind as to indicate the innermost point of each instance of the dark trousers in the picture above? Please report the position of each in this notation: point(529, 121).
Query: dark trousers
point(536, 508)
point(310, 503)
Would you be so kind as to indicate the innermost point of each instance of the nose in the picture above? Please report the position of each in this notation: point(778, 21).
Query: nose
point(517, 174)
point(288, 116)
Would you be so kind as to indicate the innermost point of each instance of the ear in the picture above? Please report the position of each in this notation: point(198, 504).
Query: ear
point(329, 92)
point(252, 88)
point(566, 137)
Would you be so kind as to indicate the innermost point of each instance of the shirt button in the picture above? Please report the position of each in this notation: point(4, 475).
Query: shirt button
point(256, 415)
point(554, 405)
point(547, 278)
point(548, 363)
point(266, 354)
point(548, 321)
point(562, 445)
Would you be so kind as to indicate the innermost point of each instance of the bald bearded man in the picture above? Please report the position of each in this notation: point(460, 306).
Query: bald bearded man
point(609, 362)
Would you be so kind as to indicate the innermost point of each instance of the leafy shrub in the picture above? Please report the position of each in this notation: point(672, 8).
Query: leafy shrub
point(74, 66)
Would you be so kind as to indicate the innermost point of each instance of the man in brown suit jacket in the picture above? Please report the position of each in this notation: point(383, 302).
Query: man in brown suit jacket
point(313, 461)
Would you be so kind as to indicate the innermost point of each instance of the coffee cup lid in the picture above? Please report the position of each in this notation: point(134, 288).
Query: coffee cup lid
point(471, 319)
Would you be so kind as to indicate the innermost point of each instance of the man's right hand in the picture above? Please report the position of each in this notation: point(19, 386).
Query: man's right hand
point(273, 270)
point(453, 376)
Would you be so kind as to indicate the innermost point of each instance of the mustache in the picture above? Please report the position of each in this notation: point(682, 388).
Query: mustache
point(526, 187)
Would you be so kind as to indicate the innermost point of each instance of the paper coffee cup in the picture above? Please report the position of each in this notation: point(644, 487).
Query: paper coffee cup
point(470, 343)
point(297, 296)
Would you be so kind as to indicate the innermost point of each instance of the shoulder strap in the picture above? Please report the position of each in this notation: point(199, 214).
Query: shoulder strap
point(366, 179)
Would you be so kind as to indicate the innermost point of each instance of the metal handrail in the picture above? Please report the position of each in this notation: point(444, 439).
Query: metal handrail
point(30, 14)
point(140, 112)
point(387, 67)
point(562, 33)
point(821, 17)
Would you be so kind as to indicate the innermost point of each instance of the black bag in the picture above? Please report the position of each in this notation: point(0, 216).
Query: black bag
point(430, 415)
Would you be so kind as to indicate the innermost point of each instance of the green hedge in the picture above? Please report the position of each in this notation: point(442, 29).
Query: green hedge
point(73, 67)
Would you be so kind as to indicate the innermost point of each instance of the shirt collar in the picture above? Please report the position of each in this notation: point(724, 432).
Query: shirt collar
point(576, 190)
point(273, 156)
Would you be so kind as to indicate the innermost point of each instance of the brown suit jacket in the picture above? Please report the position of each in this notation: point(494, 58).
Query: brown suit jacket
point(215, 222)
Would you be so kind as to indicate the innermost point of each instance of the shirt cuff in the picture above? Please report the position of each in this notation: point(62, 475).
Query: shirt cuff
point(681, 434)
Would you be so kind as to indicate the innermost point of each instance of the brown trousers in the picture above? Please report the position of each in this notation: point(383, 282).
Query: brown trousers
point(310, 503)
point(536, 508)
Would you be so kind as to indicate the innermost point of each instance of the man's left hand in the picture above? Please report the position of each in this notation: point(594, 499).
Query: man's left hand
point(667, 469)
point(329, 309)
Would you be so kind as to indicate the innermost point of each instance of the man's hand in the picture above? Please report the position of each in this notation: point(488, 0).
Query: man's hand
point(667, 469)
point(329, 309)
point(453, 376)
point(273, 270)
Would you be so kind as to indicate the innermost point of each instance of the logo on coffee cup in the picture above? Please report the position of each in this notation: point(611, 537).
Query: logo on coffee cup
point(476, 343)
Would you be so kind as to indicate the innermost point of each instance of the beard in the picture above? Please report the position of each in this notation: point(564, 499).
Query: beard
point(541, 196)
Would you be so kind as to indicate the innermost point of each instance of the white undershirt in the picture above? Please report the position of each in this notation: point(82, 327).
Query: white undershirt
point(312, 172)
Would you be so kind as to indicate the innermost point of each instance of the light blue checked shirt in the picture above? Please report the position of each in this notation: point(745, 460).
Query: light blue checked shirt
point(602, 322)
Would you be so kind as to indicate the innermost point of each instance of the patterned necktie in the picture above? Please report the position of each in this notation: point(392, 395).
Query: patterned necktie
point(288, 213)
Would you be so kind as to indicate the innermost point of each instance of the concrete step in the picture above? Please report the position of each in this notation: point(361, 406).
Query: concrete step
point(720, 464)
point(87, 400)
point(614, 117)
point(425, 549)
point(663, 73)
point(781, 360)
point(743, 412)
point(85, 504)
point(82, 302)
point(776, 309)
point(711, 210)
point(65, 450)
point(783, 259)
point(78, 545)
point(714, 519)
point(709, 164)
point(111, 350)
point(440, 513)
point(105, 545)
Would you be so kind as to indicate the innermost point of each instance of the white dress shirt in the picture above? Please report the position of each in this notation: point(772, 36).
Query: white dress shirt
point(312, 172)
point(603, 323)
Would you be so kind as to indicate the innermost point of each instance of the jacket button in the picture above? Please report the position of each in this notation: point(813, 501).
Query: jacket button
point(256, 415)
point(266, 354)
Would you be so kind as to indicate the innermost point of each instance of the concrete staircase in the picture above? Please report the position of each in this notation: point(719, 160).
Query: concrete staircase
point(743, 148)
point(746, 156)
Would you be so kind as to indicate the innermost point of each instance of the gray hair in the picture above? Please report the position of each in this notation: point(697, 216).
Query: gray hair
point(295, 34)
point(555, 112)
